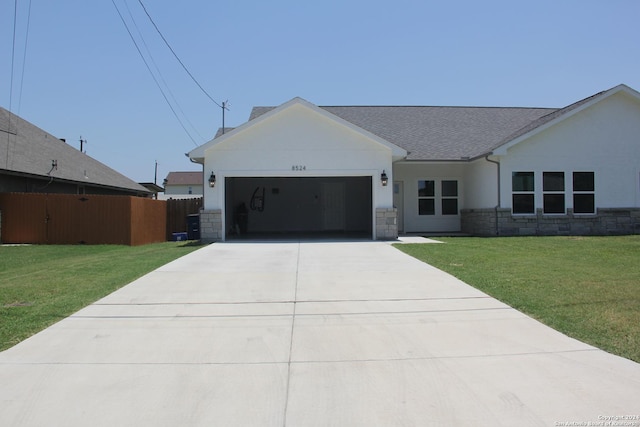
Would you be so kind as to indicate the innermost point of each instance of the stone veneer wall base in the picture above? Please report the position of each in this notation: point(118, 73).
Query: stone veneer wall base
point(501, 222)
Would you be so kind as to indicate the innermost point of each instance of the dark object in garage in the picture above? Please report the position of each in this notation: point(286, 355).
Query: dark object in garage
point(242, 218)
point(193, 227)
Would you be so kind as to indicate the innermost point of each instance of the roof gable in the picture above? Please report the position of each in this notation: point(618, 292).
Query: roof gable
point(198, 153)
point(27, 149)
point(557, 116)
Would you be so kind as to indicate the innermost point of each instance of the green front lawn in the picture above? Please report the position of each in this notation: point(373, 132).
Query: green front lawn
point(585, 287)
point(40, 285)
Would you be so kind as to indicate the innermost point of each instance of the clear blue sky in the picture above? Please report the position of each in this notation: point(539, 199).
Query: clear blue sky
point(83, 75)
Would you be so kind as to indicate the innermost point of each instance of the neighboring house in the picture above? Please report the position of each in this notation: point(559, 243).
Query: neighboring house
point(183, 185)
point(34, 161)
point(381, 171)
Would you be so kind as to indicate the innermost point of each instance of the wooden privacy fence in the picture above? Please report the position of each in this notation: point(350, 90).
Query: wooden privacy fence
point(177, 212)
point(79, 219)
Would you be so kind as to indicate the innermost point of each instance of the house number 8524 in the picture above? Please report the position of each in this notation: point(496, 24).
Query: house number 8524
point(298, 168)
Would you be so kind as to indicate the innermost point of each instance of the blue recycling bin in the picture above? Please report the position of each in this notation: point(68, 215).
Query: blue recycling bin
point(179, 237)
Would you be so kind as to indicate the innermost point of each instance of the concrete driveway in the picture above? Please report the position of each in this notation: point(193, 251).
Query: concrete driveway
point(308, 334)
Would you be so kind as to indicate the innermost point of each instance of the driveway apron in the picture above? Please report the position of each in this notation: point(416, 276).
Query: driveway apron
point(308, 334)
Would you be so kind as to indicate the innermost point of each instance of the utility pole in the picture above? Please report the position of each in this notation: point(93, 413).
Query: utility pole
point(155, 176)
point(82, 142)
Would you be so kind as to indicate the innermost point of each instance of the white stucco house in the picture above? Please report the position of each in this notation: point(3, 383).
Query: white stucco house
point(380, 171)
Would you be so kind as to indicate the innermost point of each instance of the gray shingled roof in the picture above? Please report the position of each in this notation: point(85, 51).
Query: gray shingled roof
point(437, 133)
point(27, 149)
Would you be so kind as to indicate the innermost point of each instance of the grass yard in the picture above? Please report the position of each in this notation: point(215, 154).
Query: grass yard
point(40, 285)
point(585, 287)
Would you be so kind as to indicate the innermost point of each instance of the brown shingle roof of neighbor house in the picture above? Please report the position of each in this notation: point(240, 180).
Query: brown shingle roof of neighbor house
point(29, 150)
point(184, 178)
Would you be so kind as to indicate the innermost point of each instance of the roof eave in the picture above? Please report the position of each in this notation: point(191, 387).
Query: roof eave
point(75, 182)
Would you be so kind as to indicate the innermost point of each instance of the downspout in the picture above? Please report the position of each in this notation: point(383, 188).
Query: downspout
point(499, 190)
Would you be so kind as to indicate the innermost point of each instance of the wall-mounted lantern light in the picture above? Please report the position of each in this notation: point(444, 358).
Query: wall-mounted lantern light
point(384, 179)
point(212, 180)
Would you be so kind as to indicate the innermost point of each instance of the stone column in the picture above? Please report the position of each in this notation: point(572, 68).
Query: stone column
point(386, 224)
point(211, 225)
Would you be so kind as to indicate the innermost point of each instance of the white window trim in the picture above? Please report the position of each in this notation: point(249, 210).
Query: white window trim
point(564, 193)
point(573, 192)
point(535, 197)
point(437, 197)
point(456, 197)
point(434, 198)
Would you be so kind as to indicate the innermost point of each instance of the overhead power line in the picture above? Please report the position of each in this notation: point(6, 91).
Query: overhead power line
point(176, 56)
point(155, 65)
point(151, 72)
point(13, 54)
point(24, 57)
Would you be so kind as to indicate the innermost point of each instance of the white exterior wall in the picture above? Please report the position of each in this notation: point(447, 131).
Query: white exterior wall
point(409, 173)
point(298, 142)
point(481, 184)
point(604, 138)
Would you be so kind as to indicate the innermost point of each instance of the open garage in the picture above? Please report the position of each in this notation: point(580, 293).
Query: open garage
point(298, 171)
point(291, 206)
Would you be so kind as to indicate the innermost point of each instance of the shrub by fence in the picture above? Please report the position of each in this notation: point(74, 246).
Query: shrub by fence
point(78, 219)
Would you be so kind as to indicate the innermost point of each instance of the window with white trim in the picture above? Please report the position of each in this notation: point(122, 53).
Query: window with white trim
point(584, 193)
point(438, 197)
point(449, 197)
point(426, 197)
point(522, 188)
point(553, 201)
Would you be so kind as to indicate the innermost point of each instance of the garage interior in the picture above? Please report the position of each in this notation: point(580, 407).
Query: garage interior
point(309, 207)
